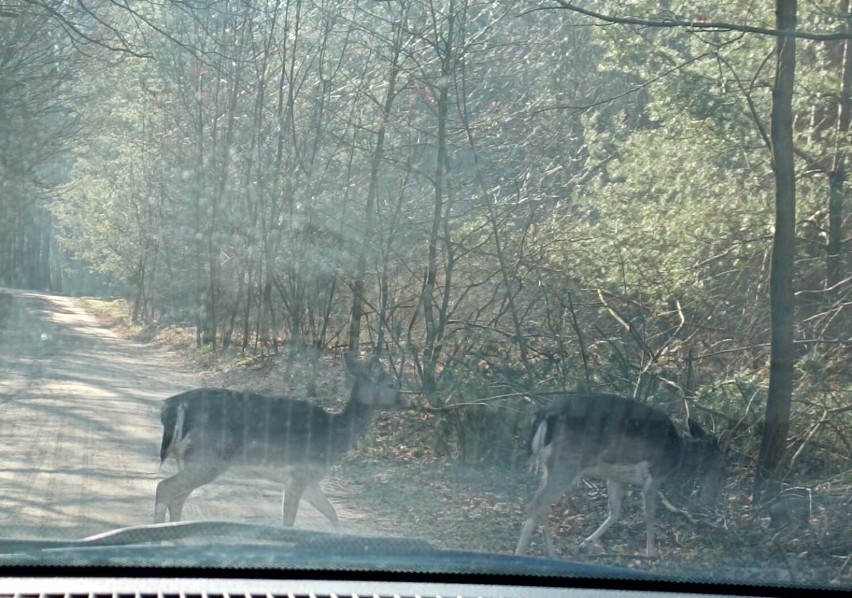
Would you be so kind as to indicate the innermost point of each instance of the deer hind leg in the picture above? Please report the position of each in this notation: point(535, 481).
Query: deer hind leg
point(176, 506)
point(615, 497)
point(553, 486)
point(173, 492)
point(314, 495)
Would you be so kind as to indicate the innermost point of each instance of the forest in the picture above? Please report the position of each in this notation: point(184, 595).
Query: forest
point(506, 199)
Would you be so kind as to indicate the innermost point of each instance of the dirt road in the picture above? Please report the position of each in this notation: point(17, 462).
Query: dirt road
point(80, 429)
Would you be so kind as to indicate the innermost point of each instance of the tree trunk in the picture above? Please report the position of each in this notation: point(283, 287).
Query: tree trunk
point(777, 417)
point(434, 325)
point(372, 195)
point(833, 266)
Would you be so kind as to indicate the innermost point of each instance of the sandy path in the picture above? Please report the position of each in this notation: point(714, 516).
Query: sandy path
point(80, 430)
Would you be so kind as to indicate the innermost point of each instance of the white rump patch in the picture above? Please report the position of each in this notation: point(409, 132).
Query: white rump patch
point(539, 450)
point(538, 438)
point(180, 442)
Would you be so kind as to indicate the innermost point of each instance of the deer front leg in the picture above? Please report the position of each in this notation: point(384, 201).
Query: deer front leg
point(649, 502)
point(293, 491)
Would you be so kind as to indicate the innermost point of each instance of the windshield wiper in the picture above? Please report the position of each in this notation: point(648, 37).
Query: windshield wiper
point(218, 532)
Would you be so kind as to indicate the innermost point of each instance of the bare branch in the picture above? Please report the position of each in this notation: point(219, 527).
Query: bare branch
point(674, 22)
point(76, 34)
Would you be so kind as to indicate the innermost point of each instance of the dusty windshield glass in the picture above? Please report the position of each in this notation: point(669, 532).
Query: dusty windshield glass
point(517, 277)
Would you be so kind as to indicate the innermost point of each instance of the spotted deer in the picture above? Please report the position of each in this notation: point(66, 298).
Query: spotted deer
point(623, 442)
point(211, 430)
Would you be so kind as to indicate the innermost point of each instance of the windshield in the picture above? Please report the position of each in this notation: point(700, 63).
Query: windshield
point(558, 283)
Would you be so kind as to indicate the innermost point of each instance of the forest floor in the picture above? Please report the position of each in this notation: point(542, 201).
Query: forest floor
point(89, 359)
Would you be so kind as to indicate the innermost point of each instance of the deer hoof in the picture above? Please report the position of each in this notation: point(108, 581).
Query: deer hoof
point(587, 547)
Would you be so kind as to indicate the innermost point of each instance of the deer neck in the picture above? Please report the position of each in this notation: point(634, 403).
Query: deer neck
point(689, 461)
point(351, 423)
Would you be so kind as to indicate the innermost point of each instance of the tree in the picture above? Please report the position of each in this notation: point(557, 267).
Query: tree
point(781, 297)
point(37, 124)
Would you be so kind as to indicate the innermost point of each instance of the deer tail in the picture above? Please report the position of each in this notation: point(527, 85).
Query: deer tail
point(173, 416)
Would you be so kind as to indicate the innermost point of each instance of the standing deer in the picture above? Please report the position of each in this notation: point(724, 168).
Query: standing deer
point(210, 430)
point(623, 442)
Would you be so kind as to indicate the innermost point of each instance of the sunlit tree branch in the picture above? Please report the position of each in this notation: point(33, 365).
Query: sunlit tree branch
point(669, 21)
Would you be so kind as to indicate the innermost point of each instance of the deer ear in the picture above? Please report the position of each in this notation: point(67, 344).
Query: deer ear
point(695, 430)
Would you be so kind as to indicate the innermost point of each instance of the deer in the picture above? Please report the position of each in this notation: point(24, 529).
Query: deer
point(291, 441)
point(621, 441)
